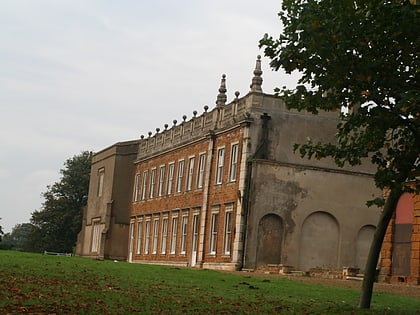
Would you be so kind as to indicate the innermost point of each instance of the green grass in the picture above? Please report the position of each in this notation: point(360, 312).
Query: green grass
point(33, 283)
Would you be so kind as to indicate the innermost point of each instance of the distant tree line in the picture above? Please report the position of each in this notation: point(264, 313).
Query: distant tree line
point(55, 226)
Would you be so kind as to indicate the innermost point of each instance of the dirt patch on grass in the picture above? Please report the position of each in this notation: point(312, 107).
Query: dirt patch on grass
point(397, 289)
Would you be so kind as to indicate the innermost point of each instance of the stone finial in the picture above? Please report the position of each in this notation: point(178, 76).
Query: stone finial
point(221, 98)
point(157, 130)
point(257, 79)
point(166, 126)
point(195, 113)
point(237, 95)
point(206, 108)
point(174, 121)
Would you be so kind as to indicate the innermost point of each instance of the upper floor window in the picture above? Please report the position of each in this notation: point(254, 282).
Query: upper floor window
point(136, 188)
point(201, 166)
point(101, 176)
point(170, 178)
point(144, 185)
point(220, 162)
point(190, 172)
point(161, 180)
point(233, 162)
point(180, 176)
point(152, 183)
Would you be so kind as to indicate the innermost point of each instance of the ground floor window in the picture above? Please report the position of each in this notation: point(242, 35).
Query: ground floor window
point(96, 236)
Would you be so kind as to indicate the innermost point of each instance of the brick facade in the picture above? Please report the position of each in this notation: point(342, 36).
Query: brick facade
point(251, 202)
point(390, 254)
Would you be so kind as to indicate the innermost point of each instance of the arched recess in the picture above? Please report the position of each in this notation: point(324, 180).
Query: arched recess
point(270, 240)
point(319, 241)
point(401, 249)
point(363, 242)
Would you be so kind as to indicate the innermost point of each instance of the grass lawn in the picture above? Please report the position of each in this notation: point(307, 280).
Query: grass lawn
point(41, 284)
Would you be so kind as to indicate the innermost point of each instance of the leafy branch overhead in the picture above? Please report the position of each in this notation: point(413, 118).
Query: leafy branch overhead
point(359, 58)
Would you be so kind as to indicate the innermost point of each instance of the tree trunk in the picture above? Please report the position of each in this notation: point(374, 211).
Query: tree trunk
point(375, 249)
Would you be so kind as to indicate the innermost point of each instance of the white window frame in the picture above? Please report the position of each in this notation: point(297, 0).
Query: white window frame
point(144, 185)
point(164, 239)
point(220, 164)
point(180, 176)
point(184, 235)
point(147, 237)
point(191, 162)
point(162, 170)
point(174, 231)
point(228, 230)
point(96, 235)
point(201, 168)
point(233, 162)
point(152, 183)
point(136, 187)
point(155, 235)
point(213, 232)
point(139, 236)
point(170, 178)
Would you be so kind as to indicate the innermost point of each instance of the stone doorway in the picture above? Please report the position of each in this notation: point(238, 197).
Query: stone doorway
point(270, 240)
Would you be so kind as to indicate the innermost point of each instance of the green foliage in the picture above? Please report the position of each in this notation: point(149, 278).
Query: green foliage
point(56, 225)
point(40, 284)
point(17, 239)
point(360, 57)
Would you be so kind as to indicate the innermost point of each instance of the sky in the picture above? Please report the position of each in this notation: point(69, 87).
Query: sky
point(80, 75)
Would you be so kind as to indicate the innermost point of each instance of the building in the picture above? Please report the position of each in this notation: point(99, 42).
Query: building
point(224, 190)
point(104, 233)
point(400, 254)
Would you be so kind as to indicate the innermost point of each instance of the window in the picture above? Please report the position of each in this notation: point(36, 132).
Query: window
point(155, 235)
point(190, 172)
point(220, 161)
point(139, 236)
point(173, 236)
point(144, 186)
point(233, 163)
point(184, 234)
point(180, 175)
point(195, 233)
point(161, 180)
point(170, 178)
point(96, 236)
point(164, 235)
point(213, 231)
point(152, 183)
point(136, 188)
point(201, 165)
point(228, 230)
point(101, 176)
point(147, 237)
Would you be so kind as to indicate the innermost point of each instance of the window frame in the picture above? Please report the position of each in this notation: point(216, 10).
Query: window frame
point(144, 184)
point(220, 165)
point(171, 171)
point(152, 183)
point(162, 170)
point(180, 176)
point(191, 162)
point(234, 152)
point(101, 180)
point(201, 170)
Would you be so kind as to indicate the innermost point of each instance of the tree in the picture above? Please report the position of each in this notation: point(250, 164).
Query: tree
point(1, 231)
point(57, 223)
point(359, 58)
point(16, 239)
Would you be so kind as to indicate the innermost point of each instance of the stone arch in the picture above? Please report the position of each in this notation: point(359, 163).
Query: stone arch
point(270, 240)
point(319, 241)
point(363, 242)
point(401, 249)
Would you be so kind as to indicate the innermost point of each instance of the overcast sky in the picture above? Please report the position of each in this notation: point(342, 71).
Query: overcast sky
point(81, 75)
